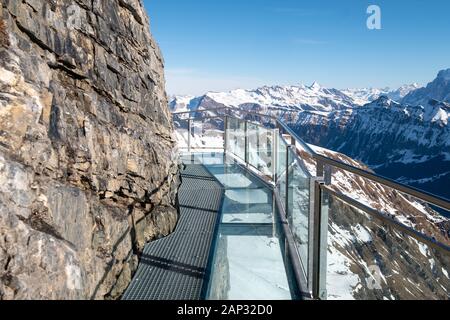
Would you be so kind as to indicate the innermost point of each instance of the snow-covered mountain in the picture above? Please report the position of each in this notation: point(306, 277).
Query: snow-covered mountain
point(289, 98)
point(297, 98)
point(292, 98)
point(407, 143)
point(366, 95)
point(410, 143)
point(439, 89)
point(403, 133)
point(183, 103)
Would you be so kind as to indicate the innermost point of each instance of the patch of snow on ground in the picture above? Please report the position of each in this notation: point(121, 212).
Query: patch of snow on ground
point(340, 280)
point(422, 248)
point(409, 157)
point(361, 234)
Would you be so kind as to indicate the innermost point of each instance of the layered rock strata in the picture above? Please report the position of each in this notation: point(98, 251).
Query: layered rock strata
point(88, 163)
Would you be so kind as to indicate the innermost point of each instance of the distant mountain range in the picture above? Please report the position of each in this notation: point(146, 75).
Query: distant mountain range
point(402, 133)
point(366, 95)
point(292, 98)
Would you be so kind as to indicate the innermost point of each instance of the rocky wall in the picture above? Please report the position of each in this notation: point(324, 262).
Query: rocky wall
point(88, 162)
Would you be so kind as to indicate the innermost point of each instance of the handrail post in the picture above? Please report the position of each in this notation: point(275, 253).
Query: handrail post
point(225, 134)
point(286, 204)
point(318, 239)
point(289, 147)
point(293, 142)
point(327, 174)
point(324, 170)
point(319, 168)
point(189, 133)
point(275, 134)
point(246, 142)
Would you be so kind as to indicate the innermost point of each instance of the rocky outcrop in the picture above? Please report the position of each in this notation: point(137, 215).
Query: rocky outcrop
point(88, 168)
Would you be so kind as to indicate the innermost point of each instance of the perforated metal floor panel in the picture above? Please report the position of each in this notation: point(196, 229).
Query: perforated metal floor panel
point(174, 268)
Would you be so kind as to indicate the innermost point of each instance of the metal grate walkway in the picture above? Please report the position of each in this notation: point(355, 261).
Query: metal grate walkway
point(175, 267)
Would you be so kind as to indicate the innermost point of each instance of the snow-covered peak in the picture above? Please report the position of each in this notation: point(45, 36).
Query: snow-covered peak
point(315, 86)
point(383, 101)
point(437, 111)
point(316, 98)
point(401, 92)
point(183, 103)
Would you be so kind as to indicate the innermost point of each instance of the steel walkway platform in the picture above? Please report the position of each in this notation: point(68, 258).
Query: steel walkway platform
point(175, 267)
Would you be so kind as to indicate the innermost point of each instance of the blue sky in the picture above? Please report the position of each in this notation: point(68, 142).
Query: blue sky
point(219, 45)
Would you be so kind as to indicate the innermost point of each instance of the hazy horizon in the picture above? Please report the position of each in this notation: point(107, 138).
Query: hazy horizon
point(294, 85)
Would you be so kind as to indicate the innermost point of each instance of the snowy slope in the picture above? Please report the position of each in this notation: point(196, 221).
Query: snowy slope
point(366, 95)
point(302, 97)
point(357, 244)
point(183, 103)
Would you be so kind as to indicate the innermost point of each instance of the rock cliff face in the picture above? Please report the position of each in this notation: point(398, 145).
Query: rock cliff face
point(88, 168)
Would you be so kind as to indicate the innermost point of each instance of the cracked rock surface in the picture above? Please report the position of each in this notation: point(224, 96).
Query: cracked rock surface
point(88, 162)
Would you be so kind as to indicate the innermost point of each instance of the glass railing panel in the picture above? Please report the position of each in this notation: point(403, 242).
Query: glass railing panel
point(207, 133)
point(400, 206)
point(371, 259)
point(281, 189)
point(206, 158)
point(260, 148)
point(282, 179)
point(281, 155)
point(298, 207)
point(236, 137)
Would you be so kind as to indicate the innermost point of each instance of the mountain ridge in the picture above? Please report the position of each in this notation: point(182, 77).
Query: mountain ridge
point(438, 89)
point(404, 141)
point(295, 97)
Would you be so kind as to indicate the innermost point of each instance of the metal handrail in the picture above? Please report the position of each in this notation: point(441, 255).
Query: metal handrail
point(312, 283)
point(429, 241)
point(415, 192)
